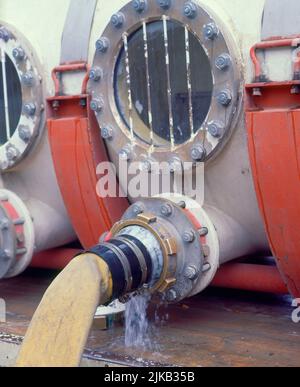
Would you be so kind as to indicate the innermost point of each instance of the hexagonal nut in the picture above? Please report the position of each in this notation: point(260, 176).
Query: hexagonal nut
point(164, 4)
point(171, 295)
point(125, 154)
point(12, 153)
point(191, 272)
point(117, 20)
point(224, 98)
point(166, 209)
point(4, 224)
point(139, 5)
point(102, 45)
point(138, 209)
point(190, 9)
point(29, 109)
point(216, 129)
point(223, 61)
point(107, 132)
point(18, 53)
point(175, 165)
point(97, 105)
point(4, 34)
point(189, 236)
point(96, 74)
point(211, 31)
point(28, 79)
point(198, 152)
point(24, 133)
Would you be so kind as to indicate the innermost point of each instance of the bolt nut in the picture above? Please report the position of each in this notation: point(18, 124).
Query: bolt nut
point(191, 272)
point(165, 4)
point(12, 153)
point(96, 74)
point(4, 224)
point(102, 45)
point(198, 152)
point(224, 98)
point(203, 231)
point(166, 209)
point(29, 109)
point(146, 166)
point(223, 61)
point(117, 20)
point(175, 165)
point(189, 236)
point(4, 34)
point(107, 133)
point(5, 254)
point(210, 31)
point(190, 10)
point(24, 133)
point(139, 5)
point(18, 53)
point(125, 154)
point(216, 129)
point(97, 105)
point(137, 209)
point(171, 295)
point(28, 79)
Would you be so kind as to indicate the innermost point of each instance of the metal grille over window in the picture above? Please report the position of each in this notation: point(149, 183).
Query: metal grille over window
point(20, 98)
point(170, 84)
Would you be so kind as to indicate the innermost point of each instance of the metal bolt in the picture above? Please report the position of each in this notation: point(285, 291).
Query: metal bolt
point(139, 5)
point(223, 61)
point(4, 224)
point(117, 20)
point(107, 133)
point(190, 10)
point(166, 209)
point(171, 295)
point(198, 152)
point(210, 31)
point(206, 267)
point(137, 209)
point(182, 204)
point(102, 45)
point(146, 166)
point(18, 53)
point(256, 92)
point(224, 97)
point(125, 154)
point(175, 165)
point(191, 272)
point(29, 109)
point(189, 236)
point(165, 4)
point(96, 74)
point(28, 78)
point(97, 105)
point(12, 153)
point(24, 133)
point(203, 231)
point(5, 254)
point(4, 34)
point(216, 129)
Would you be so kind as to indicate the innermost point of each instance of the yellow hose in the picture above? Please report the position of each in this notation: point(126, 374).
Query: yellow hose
point(60, 327)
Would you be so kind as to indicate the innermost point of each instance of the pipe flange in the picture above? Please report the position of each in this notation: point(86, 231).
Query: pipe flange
point(16, 235)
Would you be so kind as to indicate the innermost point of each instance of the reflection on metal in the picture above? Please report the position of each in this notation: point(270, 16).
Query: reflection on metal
point(125, 40)
point(189, 78)
point(169, 91)
point(6, 108)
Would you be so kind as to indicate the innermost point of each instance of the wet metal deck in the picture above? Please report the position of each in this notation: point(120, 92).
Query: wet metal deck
point(217, 328)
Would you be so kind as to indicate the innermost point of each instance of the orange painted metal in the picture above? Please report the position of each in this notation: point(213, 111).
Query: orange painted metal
point(77, 150)
point(273, 122)
point(257, 278)
point(55, 259)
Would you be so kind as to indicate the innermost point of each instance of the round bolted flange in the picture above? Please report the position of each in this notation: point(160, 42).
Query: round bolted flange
point(96, 74)
point(102, 45)
point(97, 105)
point(29, 109)
point(211, 31)
point(139, 5)
point(223, 62)
point(107, 133)
point(189, 236)
point(12, 153)
point(167, 210)
point(171, 295)
point(4, 34)
point(117, 20)
point(28, 79)
point(191, 272)
point(224, 98)
point(190, 9)
point(24, 133)
point(18, 53)
point(164, 4)
point(198, 152)
point(216, 129)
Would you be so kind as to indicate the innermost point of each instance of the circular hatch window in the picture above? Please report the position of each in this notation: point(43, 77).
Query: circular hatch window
point(20, 98)
point(165, 82)
point(171, 89)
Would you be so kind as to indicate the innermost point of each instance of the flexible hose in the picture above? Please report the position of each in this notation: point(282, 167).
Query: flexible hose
point(60, 327)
